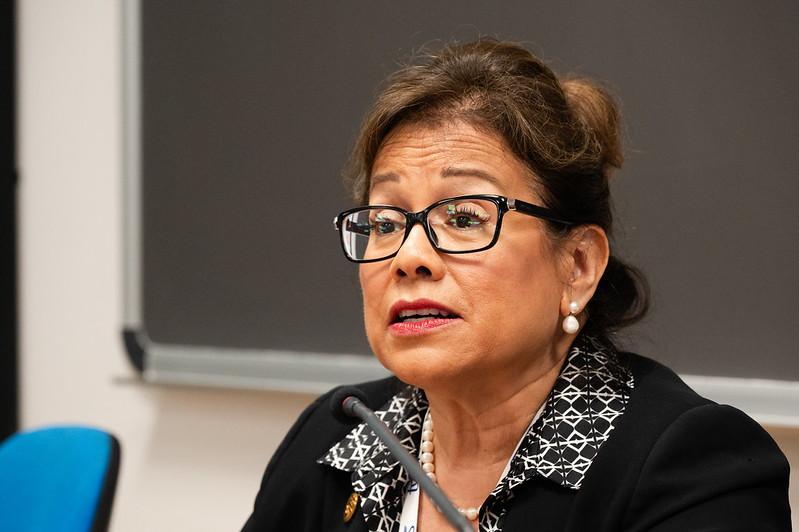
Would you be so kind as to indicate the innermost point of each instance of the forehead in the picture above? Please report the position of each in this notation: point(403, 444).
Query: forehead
point(451, 156)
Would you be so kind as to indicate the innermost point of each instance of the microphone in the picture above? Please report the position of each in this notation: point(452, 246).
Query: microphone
point(348, 402)
point(343, 394)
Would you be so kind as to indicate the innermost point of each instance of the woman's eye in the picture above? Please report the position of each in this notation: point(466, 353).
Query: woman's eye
point(383, 224)
point(465, 217)
point(464, 221)
point(384, 228)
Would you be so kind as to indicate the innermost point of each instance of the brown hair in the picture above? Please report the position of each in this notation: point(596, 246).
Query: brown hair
point(566, 132)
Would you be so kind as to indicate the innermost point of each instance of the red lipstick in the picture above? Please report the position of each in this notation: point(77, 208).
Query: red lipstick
point(409, 318)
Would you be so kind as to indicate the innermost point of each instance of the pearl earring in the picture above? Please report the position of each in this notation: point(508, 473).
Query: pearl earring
point(570, 323)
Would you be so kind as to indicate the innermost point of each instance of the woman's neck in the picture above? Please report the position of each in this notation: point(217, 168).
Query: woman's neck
point(483, 428)
point(477, 431)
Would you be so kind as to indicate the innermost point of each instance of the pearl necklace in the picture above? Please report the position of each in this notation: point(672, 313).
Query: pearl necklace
point(428, 460)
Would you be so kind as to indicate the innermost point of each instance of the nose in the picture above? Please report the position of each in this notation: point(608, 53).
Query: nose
point(417, 258)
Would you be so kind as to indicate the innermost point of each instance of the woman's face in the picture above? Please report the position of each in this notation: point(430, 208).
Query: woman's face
point(507, 299)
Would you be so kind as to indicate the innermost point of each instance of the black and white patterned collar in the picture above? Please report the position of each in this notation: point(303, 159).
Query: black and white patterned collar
point(590, 393)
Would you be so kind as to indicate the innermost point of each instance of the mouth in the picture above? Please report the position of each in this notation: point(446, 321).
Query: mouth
point(410, 316)
point(420, 310)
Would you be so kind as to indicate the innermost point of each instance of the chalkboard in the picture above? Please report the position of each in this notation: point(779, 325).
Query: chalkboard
point(241, 114)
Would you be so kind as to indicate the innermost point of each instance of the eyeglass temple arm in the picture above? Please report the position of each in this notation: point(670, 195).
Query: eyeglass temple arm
point(535, 210)
point(350, 225)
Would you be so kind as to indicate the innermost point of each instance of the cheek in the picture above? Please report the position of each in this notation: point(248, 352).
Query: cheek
point(372, 290)
point(524, 283)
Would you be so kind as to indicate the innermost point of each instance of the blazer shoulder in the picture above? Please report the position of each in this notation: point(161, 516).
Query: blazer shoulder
point(294, 482)
point(658, 389)
point(672, 457)
point(657, 399)
point(712, 466)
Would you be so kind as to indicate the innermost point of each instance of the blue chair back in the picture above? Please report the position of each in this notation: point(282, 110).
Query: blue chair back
point(58, 479)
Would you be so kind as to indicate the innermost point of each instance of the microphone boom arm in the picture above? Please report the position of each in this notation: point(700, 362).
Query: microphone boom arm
point(354, 407)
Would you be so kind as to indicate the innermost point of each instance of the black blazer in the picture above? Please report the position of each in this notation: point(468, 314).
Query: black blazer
point(675, 462)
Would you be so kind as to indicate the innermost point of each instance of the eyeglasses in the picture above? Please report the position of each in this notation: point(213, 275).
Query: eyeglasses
point(464, 224)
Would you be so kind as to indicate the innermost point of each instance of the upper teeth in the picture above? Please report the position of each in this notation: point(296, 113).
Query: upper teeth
point(423, 312)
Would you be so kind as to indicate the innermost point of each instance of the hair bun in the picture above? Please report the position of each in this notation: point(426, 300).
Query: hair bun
point(597, 111)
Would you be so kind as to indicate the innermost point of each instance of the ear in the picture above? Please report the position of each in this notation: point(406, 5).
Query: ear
point(587, 256)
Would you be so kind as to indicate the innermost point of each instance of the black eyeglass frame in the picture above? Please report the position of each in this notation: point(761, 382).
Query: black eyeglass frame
point(412, 218)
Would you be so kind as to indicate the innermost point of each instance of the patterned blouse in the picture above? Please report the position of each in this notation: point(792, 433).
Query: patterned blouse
point(590, 393)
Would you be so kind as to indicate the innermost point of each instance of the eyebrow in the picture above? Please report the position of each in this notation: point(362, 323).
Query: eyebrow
point(454, 171)
point(380, 178)
point(450, 171)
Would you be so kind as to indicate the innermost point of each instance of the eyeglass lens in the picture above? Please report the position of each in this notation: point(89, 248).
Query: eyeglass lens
point(458, 225)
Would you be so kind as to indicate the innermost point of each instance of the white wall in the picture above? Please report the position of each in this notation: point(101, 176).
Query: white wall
point(192, 458)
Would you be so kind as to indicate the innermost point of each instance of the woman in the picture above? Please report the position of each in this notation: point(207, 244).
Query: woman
point(490, 291)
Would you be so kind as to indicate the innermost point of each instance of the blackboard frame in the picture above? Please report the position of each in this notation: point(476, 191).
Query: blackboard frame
point(769, 401)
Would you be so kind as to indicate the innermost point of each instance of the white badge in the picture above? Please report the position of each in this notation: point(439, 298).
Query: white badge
point(410, 508)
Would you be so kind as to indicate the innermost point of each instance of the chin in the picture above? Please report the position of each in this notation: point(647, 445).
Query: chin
point(422, 367)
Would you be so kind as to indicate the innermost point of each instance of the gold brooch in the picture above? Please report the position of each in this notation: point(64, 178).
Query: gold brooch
point(349, 508)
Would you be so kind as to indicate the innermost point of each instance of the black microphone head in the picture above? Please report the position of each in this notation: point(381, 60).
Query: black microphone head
point(337, 402)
